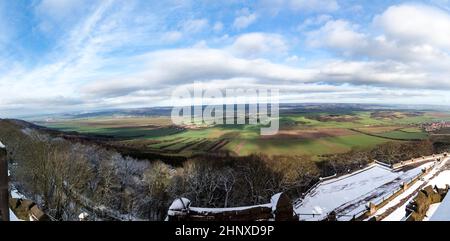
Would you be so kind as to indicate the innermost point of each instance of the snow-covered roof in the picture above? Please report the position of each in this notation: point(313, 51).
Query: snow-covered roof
point(350, 193)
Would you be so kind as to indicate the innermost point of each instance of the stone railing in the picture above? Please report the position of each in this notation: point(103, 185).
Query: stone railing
point(372, 208)
point(419, 160)
point(279, 209)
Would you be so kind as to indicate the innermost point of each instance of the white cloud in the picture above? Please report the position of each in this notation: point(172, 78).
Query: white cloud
point(314, 21)
point(444, 4)
point(293, 59)
point(416, 24)
point(257, 44)
point(186, 28)
point(87, 68)
point(218, 27)
point(78, 56)
point(60, 9)
point(56, 14)
point(161, 71)
point(174, 67)
point(172, 36)
point(244, 21)
point(339, 34)
point(195, 25)
point(314, 5)
point(385, 73)
point(274, 7)
point(342, 81)
point(419, 42)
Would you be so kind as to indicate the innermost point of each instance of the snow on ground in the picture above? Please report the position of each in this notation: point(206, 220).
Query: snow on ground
point(400, 212)
point(350, 194)
point(16, 194)
point(358, 206)
point(335, 192)
point(441, 180)
point(397, 216)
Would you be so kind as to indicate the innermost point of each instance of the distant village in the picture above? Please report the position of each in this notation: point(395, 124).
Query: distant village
point(435, 126)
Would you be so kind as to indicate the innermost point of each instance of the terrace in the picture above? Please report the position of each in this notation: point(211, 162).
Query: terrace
point(348, 196)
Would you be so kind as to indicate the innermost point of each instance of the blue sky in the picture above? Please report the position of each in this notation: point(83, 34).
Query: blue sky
point(80, 55)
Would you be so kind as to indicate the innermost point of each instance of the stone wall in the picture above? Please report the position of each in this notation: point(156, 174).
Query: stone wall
point(279, 209)
point(373, 208)
point(419, 160)
point(421, 203)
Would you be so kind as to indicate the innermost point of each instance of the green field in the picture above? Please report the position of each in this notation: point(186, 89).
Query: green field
point(312, 147)
point(402, 135)
point(310, 134)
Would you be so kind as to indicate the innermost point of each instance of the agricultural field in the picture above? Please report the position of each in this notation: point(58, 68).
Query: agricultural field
point(124, 127)
point(311, 134)
point(403, 135)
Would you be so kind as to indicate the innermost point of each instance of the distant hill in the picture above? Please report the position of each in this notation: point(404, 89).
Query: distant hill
point(285, 108)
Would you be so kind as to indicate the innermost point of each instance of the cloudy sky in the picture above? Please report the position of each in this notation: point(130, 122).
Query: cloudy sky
point(78, 55)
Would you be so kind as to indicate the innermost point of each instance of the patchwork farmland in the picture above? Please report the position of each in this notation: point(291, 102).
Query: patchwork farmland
point(311, 134)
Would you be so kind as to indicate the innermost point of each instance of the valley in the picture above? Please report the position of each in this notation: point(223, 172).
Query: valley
point(312, 133)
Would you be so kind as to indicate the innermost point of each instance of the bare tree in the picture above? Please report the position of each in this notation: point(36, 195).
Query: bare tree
point(227, 179)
